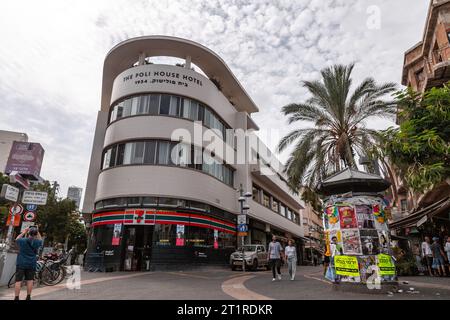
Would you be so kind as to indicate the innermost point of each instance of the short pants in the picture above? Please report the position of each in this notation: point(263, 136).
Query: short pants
point(24, 274)
point(439, 261)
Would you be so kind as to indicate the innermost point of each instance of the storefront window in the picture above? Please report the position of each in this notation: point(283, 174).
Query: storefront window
point(197, 237)
point(165, 234)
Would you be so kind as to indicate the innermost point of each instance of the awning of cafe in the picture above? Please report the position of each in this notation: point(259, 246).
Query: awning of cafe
point(430, 211)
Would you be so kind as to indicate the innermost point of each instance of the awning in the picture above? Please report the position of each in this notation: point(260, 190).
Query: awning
point(430, 211)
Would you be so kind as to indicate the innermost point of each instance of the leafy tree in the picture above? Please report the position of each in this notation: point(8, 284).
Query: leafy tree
point(420, 147)
point(339, 131)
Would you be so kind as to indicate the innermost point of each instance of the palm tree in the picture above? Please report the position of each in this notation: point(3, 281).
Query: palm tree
point(339, 118)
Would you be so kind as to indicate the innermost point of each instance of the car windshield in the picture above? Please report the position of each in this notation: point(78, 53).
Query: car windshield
point(248, 248)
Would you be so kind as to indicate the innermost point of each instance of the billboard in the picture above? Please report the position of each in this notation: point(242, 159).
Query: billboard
point(26, 159)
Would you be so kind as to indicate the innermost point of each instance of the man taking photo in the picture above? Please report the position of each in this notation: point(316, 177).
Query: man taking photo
point(29, 242)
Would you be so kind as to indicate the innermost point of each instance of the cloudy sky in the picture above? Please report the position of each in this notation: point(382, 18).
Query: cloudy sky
point(51, 57)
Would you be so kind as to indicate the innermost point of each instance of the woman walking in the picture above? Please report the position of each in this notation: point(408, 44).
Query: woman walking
point(291, 258)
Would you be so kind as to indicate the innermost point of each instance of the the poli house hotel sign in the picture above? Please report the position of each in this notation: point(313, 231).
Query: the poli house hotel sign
point(26, 159)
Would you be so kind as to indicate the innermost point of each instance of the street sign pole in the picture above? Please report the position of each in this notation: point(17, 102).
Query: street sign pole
point(8, 239)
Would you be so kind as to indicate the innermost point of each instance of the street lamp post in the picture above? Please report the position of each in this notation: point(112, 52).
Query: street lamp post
point(243, 208)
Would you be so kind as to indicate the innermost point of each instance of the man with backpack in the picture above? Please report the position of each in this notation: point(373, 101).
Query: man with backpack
point(29, 242)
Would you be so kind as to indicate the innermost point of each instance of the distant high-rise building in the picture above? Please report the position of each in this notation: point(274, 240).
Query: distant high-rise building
point(74, 193)
point(6, 141)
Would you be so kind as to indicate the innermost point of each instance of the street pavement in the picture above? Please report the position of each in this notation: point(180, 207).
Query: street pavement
point(217, 283)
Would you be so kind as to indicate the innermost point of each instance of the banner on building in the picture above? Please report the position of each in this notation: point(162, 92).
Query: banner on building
point(346, 266)
point(116, 234)
point(180, 235)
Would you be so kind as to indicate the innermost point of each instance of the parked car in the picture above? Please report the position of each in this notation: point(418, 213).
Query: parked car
point(255, 256)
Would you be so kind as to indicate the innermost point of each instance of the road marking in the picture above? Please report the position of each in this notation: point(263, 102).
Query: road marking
point(235, 288)
point(322, 280)
point(49, 289)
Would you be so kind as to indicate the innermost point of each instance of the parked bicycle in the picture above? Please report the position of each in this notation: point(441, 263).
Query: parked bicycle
point(49, 272)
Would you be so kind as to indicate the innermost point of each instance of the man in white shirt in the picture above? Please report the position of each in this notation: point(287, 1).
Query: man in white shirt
point(274, 256)
point(427, 255)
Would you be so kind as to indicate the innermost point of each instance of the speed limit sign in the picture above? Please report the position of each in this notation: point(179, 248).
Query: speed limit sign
point(29, 216)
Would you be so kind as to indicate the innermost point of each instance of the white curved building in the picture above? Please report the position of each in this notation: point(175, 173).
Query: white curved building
point(148, 205)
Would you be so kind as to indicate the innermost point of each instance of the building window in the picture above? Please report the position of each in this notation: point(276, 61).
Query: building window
point(150, 201)
point(166, 104)
point(256, 194)
point(282, 209)
point(289, 214)
point(166, 153)
point(168, 202)
point(266, 200)
point(133, 201)
point(275, 205)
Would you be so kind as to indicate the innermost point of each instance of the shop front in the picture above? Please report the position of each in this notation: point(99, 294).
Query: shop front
point(147, 239)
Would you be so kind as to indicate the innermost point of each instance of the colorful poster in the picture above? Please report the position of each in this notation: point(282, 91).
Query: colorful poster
point(180, 235)
point(384, 240)
point(346, 266)
point(335, 233)
point(216, 239)
point(386, 265)
point(370, 241)
point(365, 217)
point(351, 242)
point(333, 217)
point(367, 267)
point(347, 217)
point(116, 234)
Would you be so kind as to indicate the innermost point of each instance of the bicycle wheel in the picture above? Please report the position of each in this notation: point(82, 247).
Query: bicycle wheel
point(12, 281)
point(51, 276)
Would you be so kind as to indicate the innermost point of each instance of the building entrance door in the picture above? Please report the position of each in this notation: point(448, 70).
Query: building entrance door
point(137, 248)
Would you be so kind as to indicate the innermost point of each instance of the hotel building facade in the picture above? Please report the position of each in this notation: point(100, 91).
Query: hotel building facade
point(147, 206)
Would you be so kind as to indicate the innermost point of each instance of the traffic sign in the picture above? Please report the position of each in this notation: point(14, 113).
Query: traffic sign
point(29, 216)
point(31, 207)
point(242, 219)
point(34, 197)
point(16, 210)
point(26, 224)
point(242, 228)
point(9, 192)
point(242, 234)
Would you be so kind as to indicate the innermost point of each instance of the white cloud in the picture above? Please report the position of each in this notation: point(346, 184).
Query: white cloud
point(52, 54)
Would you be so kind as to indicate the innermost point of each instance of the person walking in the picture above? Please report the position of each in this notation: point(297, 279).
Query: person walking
point(438, 257)
point(447, 249)
point(275, 255)
point(427, 255)
point(291, 258)
point(29, 242)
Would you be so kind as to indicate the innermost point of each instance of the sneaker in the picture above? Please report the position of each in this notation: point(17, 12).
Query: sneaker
point(274, 279)
point(292, 278)
point(279, 277)
point(28, 297)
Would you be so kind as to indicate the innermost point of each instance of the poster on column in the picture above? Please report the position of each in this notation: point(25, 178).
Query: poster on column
point(335, 233)
point(386, 265)
point(216, 239)
point(180, 235)
point(384, 240)
point(370, 241)
point(367, 267)
point(351, 242)
point(379, 217)
point(116, 234)
point(365, 217)
point(347, 217)
point(332, 217)
point(346, 266)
